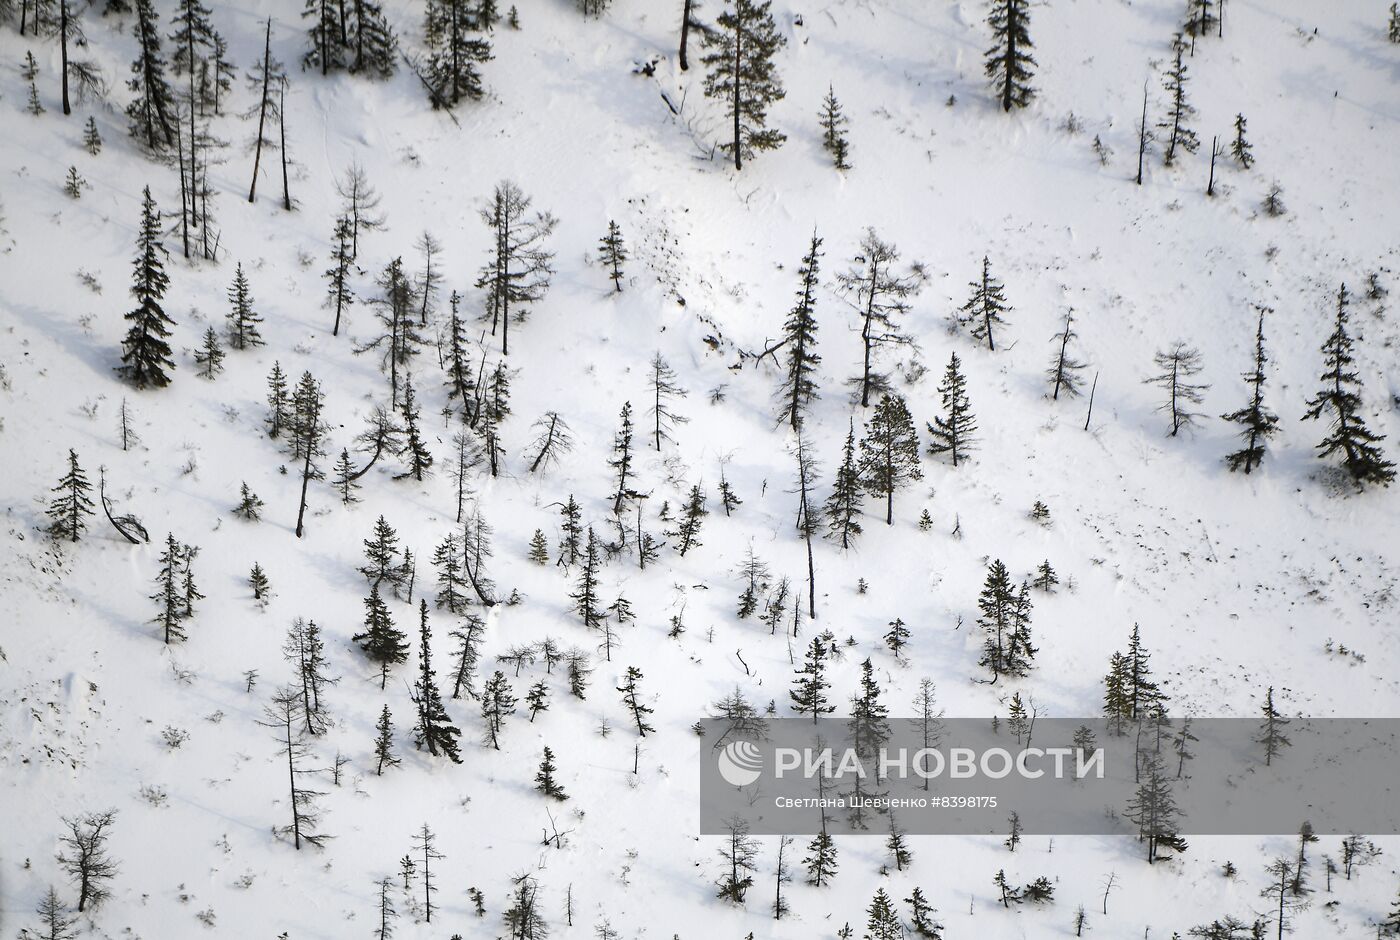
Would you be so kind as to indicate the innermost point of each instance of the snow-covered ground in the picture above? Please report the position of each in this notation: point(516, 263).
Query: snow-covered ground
point(1238, 582)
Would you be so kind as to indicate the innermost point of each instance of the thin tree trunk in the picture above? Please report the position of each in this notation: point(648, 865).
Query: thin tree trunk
point(184, 193)
point(1093, 388)
point(189, 52)
point(867, 336)
point(262, 109)
point(1214, 152)
point(1142, 134)
point(313, 417)
point(282, 125)
point(292, 779)
point(63, 44)
point(738, 60)
point(1010, 62)
point(685, 34)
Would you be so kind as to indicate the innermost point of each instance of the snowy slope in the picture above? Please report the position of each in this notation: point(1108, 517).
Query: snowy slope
point(1237, 582)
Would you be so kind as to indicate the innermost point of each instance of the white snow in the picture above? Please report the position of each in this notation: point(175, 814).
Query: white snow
point(1237, 582)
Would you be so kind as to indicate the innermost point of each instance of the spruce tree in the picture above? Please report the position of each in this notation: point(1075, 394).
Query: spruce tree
point(152, 111)
point(398, 339)
point(249, 505)
point(882, 920)
point(799, 386)
point(632, 701)
point(1340, 398)
point(518, 270)
point(434, 730)
point(537, 699)
point(882, 296)
point(193, 36)
point(1271, 729)
point(728, 499)
point(210, 356)
point(34, 106)
point(1179, 111)
point(809, 691)
point(74, 184)
point(997, 616)
point(868, 725)
point(755, 575)
point(167, 597)
point(326, 51)
point(1064, 369)
point(1200, 20)
point(496, 705)
point(345, 478)
point(339, 296)
point(544, 778)
point(1142, 694)
point(621, 460)
point(278, 402)
point(145, 352)
point(383, 644)
point(243, 320)
point(821, 859)
point(461, 380)
point(257, 581)
point(953, 432)
point(738, 854)
point(539, 548)
point(305, 651)
point(92, 140)
point(586, 601)
point(448, 561)
point(72, 503)
point(834, 130)
point(843, 505)
point(1179, 365)
point(921, 916)
point(309, 431)
point(742, 75)
point(1020, 652)
point(571, 531)
point(613, 253)
point(896, 846)
point(1259, 422)
point(1117, 702)
point(1240, 148)
point(372, 41)
point(384, 755)
point(1152, 807)
point(1008, 62)
point(897, 638)
point(984, 310)
point(889, 452)
point(687, 530)
point(455, 50)
point(418, 458)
